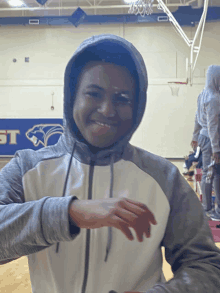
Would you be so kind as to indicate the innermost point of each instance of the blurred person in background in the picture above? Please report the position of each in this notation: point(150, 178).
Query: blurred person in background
point(207, 135)
point(192, 161)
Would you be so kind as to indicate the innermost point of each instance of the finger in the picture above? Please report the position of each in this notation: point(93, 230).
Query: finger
point(142, 230)
point(139, 236)
point(147, 214)
point(125, 219)
point(138, 209)
point(138, 223)
point(118, 223)
point(146, 235)
point(147, 231)
point(137, 203)
point(126, 231)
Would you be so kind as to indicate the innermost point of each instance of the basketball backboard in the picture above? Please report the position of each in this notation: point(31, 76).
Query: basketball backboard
point(145, 7)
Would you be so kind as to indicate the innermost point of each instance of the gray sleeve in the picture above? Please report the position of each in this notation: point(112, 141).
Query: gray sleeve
point(189, 246)
point(213, 121)
point(29, 227)
point(197, 128)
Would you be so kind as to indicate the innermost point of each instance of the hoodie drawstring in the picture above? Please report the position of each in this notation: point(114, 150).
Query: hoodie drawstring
point(65, 184)
point(109, 242)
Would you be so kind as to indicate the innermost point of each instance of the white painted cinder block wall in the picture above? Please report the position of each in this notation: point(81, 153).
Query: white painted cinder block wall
point(26, 88)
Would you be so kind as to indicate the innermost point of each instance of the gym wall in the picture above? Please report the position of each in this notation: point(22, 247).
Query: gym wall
point(27, 88)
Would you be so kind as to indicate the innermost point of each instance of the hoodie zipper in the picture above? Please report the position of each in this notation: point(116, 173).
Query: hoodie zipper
point(86, 270)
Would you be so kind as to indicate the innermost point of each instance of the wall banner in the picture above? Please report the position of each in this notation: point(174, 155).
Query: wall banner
point(18, 134)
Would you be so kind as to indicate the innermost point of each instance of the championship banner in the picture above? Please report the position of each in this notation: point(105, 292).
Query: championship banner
point(18, 134)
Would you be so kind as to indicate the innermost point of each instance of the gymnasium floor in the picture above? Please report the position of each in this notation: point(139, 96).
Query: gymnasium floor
point(15, 275)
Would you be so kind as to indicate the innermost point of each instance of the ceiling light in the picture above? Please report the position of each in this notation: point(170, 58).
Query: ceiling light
point(130, 1)
point(16, 3)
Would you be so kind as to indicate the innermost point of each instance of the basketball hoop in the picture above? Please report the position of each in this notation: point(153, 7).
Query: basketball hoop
point(145, 7)
point(175, 86)
point(142, 7)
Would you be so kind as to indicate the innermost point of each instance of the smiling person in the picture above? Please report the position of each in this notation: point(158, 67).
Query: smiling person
point(92, 212)
point(103, 108)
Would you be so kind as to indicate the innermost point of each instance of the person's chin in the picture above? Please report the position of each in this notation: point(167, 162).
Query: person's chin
point(102, 143)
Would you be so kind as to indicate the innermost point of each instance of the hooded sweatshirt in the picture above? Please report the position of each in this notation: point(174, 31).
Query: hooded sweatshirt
point(207, 119)
point(37, 187)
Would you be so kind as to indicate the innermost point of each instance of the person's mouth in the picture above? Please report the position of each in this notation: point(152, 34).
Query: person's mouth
point(102, 127)
point(105, 124)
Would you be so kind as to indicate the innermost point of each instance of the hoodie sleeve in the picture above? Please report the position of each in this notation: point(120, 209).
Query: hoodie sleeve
point(197, 128)
point(189, 246)
point(213, 122)
point(29, 227)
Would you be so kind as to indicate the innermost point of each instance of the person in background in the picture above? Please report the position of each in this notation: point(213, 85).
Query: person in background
point(74, 207)
point(207, 135)
point(192, 161)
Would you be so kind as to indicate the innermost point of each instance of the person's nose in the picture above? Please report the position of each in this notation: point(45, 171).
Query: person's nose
point(107, 107)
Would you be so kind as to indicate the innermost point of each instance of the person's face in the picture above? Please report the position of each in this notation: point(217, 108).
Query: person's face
point(103, 107)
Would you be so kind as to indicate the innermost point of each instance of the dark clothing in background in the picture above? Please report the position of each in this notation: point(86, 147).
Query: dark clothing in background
point(193, 159)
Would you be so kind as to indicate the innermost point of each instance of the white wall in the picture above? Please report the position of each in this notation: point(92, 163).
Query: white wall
point(26, 88)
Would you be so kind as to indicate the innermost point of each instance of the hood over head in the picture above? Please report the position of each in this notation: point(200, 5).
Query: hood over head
point(113, 49)
point(107, 48)
point(213, 78)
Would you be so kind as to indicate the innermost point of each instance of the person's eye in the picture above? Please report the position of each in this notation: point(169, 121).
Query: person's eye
point(123, 99)
point(93, 94)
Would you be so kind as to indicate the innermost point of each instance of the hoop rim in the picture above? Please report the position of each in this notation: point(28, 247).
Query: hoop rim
point(178, 82)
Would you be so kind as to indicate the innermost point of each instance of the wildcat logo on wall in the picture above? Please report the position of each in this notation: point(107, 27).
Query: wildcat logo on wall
point(18, 134)
point(40, 134)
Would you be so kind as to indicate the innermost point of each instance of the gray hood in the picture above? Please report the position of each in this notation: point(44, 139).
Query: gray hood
point(213, 78)
point(207, 120)
point(113, 49)
point(102, 46)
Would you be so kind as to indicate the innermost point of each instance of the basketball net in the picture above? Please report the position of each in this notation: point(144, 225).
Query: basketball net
point(145, 7)
point(142, 7)
point(175, 86)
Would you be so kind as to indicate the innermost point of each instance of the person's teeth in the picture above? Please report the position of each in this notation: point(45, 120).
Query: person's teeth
point(102, 124)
